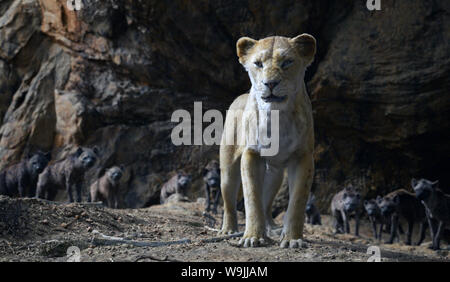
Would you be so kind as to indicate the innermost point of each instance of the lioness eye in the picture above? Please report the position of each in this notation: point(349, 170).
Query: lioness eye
point(258, 64)
point(286, 63)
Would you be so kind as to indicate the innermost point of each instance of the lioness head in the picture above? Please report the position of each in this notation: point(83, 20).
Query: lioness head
point(276, 65)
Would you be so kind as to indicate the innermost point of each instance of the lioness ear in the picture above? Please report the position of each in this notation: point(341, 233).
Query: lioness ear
point(306, 46)
point(243, 45)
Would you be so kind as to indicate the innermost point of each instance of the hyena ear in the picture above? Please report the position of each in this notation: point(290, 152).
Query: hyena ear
point(435, 184)
point(96, 150)
point(48, 155)
point(306, 46)
point(365, 202)
point(79, 151)
point(243, 45)
point(378, 199)
point(413, 182)
point(122, 167)
point(396, 199)
point(204, 172)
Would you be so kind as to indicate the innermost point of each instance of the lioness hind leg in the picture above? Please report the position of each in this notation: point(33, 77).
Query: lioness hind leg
point(230, 183)
point(300, 175)
point(252, 170)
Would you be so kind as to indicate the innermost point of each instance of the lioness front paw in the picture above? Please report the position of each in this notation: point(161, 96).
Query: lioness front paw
point(293, 244)
point(253, 242)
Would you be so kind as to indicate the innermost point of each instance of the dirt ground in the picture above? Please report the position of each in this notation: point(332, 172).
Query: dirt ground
point(36, 230)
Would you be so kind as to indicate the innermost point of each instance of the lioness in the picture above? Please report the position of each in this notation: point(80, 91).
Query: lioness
point(276, 67)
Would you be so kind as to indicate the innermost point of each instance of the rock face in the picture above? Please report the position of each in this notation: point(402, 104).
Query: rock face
point(112, 73)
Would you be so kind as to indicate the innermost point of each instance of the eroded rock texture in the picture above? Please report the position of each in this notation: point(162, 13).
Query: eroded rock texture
point(112, 73)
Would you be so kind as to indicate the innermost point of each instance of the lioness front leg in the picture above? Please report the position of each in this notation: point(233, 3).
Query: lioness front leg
point(230, 183)
point(252, 171)
point(300, 175)
point(272, 182)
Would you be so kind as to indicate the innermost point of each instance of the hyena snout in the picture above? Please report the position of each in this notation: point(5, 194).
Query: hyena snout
point(350, 207)
point(214, 182)
point(116, 176)
point(422, 194)
point(89, 162)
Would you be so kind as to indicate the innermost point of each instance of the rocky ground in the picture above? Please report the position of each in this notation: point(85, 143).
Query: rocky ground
point(36, 230)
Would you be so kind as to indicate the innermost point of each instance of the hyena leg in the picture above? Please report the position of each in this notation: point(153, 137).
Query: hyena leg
point(409, 233)
point(400, 228)
point(110, 201)
point(345, 223)
point(207, 196)
point(357, 225)
point(374, 228)
point(380, 232)
point(431, 225)
point(272, 182)
point(94, 197)
point(116, 201)
point(23, 191)
point(300, 175)
point(423, 228)
point(230, 183)
point(78, 190)
point(51, 192)
point(40, 191)
point(69, 190)
point(337, 222)
point(216, 201)
point(252, 170)
point(437, 236)
point(394, 223)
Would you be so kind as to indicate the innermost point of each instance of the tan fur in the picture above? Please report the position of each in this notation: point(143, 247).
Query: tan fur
point(283, 60)
point(106, 189)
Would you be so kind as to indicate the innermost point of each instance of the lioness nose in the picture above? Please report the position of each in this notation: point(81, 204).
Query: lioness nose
point(272, 84)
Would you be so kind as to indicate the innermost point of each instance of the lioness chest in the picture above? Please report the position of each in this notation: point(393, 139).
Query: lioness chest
point(292, 136)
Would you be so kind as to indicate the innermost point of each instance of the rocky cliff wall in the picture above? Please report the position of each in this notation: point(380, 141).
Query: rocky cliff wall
point(112, 73)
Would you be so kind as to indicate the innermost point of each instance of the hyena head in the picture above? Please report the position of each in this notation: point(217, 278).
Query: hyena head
point(115, 174)
point(85, 157)
point(351, 199)
point(310, 204)
point(423, 188)
point(184, 181)
point(371, 207)
point(388, 204)
point(37, 162)
point(211, 174)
